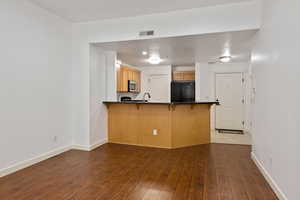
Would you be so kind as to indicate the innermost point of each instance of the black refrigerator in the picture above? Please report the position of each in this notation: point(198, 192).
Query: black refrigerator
point(183, 91)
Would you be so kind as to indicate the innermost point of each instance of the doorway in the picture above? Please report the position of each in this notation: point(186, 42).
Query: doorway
point(230, 116)
point(230, 91)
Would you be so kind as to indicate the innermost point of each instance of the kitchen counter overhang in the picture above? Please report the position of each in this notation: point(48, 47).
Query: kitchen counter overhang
point(162, 103)
point(159, 124)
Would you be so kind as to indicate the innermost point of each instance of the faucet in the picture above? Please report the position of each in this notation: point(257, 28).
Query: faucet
point(146, 94)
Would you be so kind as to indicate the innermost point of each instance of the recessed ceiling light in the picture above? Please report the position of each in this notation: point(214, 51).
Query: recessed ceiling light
point(144, 53)
point(225, 59)
point(154, 60)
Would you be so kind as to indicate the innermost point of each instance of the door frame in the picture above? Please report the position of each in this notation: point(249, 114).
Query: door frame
point(215, 96)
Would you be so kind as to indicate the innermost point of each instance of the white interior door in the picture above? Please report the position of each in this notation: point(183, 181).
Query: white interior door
point(230, 92)
point(159, 87)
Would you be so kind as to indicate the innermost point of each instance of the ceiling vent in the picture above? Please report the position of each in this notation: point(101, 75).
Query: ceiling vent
point(146, 33)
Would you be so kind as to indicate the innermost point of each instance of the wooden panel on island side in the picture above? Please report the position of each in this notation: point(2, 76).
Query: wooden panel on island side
point(156, 117)
point(176, 125)
point(122, 124)
point(190, 125)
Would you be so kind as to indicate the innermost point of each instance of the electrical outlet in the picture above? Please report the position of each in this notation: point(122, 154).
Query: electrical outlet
point(154, 132)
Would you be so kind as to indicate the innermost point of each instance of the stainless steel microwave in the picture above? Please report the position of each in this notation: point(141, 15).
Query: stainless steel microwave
point(132, 86)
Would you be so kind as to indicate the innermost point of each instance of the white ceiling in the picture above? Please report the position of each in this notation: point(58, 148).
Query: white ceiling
point(185, 50)
point(89, 10)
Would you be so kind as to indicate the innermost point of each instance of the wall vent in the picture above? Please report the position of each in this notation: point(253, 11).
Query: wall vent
point(146, 33)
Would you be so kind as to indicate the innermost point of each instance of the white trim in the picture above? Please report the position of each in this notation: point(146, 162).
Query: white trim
point(24, 164)
point(91, 147)
point(80, 147)
point(98, 144)
point(32, 161)
point(268, 177)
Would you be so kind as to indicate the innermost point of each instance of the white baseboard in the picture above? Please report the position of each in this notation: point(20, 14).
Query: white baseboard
point(21, 165)
point(98, 144)
point(268, 177)
point(30, 162)
point(89, 148)
point(229, 141)
point(80, 147)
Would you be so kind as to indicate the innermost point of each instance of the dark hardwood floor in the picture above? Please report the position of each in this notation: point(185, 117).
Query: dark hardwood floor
point(115, 172)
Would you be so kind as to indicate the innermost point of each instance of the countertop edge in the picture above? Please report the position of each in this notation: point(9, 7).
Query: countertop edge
point(162, 103)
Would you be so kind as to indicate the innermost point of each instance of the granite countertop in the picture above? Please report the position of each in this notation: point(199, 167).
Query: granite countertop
point(161, 103)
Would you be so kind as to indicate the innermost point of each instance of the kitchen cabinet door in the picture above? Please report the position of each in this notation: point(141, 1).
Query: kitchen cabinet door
point(189, 76)
point(184, 76)
point(124, 74)
point(119, 80)
point(137, 79)
point(130, 74)
point(177, 76)
point(125, 79)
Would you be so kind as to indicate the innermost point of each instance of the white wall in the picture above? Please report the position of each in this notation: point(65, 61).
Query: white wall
point(221, 18)
point(148, 71)
point(111, 75)
point(102, 87)
point(206, 74)
point(35, 54)
point(275, 64)
point(230, 17)
point(205, 85)
point(203, 79)
point(98, 93)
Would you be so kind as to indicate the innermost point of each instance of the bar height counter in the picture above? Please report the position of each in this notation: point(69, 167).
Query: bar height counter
point(164, 125)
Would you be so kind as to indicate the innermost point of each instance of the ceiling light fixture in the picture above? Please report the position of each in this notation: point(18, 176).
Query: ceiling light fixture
point(225, 59)
point(154, 59)
point(144, 53)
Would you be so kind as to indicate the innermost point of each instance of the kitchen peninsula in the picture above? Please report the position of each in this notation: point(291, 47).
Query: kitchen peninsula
point(159, 124)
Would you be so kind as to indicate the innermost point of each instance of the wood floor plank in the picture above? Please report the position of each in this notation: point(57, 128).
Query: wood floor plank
point(123, 172)
point(196, 190)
